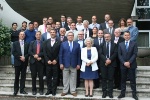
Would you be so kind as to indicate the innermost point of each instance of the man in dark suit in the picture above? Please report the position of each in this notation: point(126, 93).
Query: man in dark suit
point(57, 28)
point(63, 21)
point(107, 53)
point(20, 52)
point(62, 35)
point(45, 36)
point(82, 45)
point(105, 24)
point(111, 28)
point(36, 63)
point(117, 75)
point(51, 51)
point(127, 53)
point(70, 61)
point(87, 31)
point(97, 42)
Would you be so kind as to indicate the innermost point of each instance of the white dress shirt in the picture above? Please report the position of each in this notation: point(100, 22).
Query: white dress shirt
point(116, 40)
point(86, 32)
point(80, 26)
point(22, 46)
point(42, 28)
point(48, 35)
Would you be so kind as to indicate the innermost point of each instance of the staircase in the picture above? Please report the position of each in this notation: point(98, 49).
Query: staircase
point(7, 81)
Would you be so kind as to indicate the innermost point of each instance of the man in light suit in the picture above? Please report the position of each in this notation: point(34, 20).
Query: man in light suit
point(70, 61)
point(82, 45)
point(117, 75)
point(132, 29)
point(111, 28)
point(42, 28)
point(20, 53)
point(73, 29)
point(97, 42)
point(108, 54)
point(46, 35)
point(105, 24)
point(127, 52)
point(87, 31)
point(51, 53)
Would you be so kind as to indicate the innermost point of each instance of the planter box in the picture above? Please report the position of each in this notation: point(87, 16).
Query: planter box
point(5, 60)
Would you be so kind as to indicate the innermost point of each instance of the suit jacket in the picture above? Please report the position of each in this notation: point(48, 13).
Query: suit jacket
point(57, 32)
point(68, 58)
point(129, 55)
point(102, 26)
point(64, 39)
point(96, 43)
point(113, 54)
point(90, 32)
point(65, 26)
point(121, 39)
point(84, 58)
point(44, 36)
point(107, 31)
point(17, 53)
point(32, 51)
point(133, 33)
point(83, 43)
point(51, 53)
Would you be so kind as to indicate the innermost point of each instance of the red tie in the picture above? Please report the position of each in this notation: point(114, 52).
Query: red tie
point(38, 48)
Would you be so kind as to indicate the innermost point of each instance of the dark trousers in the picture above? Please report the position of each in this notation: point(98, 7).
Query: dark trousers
point(37, 68)
point(52, 77)
point(131, 73)
point(117, 75)
point(107, 73)
point(20, 69)
point(60, 77)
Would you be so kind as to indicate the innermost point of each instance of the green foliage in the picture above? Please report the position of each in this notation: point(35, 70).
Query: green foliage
point(5, 40)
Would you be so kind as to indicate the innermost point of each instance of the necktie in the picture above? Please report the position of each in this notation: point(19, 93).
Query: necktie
point(107, 50)
point(63, 24)
point(127, 46)
point(70, 46)
point(110, 31)
point(86, 33)
point(99, 41)
point(38, 47)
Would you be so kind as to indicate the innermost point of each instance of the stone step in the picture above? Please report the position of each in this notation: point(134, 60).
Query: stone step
point(29, 96)
point(10, 80)
point(80, 90)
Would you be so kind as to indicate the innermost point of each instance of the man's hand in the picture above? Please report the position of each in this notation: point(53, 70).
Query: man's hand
point(54, 62)
point(108, 61)
point(88, 64)
point(127, 64)
point(49, 62)
point(78, 67)
point(61, 66)
point(22, 58)
point(39, 58)
point(35, 56)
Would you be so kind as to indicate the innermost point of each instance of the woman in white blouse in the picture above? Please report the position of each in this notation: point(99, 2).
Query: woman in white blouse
point(89, 56)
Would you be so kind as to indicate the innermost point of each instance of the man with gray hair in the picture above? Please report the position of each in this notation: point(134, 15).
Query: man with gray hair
point(70, 61)
point(62, 36)
point(87, 31)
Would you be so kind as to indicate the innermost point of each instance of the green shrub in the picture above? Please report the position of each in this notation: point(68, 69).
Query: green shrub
point(5, 40)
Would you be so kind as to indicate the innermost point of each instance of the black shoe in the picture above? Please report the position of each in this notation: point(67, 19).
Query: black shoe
point(86, 95)
point(95, 87)
point(15, 93)
point(48, 92)
point(41, 92)
point(119, 88)
point(110, 96)
point(135, 97)
point(34, 92)
point(23, 92)
point(115, 87)
point(104, 95)
point(121, 96)
point(90, 95)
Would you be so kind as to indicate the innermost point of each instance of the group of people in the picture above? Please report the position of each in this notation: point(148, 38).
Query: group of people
point(75, 51)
